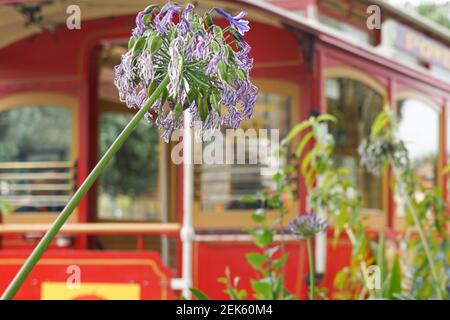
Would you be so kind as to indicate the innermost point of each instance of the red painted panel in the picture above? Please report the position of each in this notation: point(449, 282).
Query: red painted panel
point(212, 258)
point(99, 270)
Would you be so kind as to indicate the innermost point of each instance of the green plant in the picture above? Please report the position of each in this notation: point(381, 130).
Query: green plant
point(332, 194)
point(269, 262)
point(424, 256)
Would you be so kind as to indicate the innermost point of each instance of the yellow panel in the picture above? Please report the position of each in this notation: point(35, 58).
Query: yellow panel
point(107, 291)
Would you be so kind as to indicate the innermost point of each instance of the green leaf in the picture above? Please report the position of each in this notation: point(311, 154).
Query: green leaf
point(263, 238)
point(446, 170)
point(155, 44)
point(139, 44)
point(262, 288)
point(259, 215)
point(296, 130)
point(151, 88)
point(131, 42)
point(198, 294)
point(214, 102)
point(288, 169)
point(256, 260)
point(306, 161)
point(248, 199)
point(177, 111)
point(379, 123)
point(191, 96)
point(203, 108)
point(395, 281)
point(278, 264)
point(218, 32)
point(223, 280)
point(208, 20)
point(381, 257)
point(223, 71)
point(326, 117)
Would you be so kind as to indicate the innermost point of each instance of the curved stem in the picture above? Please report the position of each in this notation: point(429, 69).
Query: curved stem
point(421, 231)
point(311, 269)
point(33, 259)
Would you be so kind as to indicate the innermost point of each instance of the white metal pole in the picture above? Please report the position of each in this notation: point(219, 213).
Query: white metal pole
point(187, 231)
point(164, 178)
point(321, 239)
point(321, 247)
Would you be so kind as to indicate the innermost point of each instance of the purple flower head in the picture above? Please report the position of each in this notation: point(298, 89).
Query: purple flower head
point(307, 226)
point(240, 24)
point(208, 77)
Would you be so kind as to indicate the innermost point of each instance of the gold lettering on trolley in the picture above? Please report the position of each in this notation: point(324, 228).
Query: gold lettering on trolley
point(426, 49)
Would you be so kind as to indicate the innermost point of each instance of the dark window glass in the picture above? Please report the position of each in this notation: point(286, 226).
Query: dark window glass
point(356, 106)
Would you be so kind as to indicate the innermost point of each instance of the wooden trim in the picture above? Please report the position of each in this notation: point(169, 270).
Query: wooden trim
point(96, 228)
point(47, 98)
point(413, 94)
point(400, 222)
point(35, 217)
point(38, 175)
point(347, 72)
point(38, 165)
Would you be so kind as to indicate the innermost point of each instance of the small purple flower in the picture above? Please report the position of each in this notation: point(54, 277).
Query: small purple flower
point(175, 65)
point(165, 17)
point(232, 119)
point(200, 48)
point(307, 226)
point(240, 24)
point(185, 24)
point(140, 98)
point(213, 64)
point(139, 25)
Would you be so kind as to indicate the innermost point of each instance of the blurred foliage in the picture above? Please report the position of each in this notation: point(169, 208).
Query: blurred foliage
point(135, 167)
point(424, 246)
point(437, 12)
point(35, 131)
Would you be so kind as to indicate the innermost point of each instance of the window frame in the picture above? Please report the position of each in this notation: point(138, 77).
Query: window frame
point(51, 99)
point(373, 218)
point(400, 222)
point(233, 219)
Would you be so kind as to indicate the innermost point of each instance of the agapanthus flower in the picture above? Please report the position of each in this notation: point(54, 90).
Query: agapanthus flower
point(240, 24)
point(207, 66)
point(307, 226)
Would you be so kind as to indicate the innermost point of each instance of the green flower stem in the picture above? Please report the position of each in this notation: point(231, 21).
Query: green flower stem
point(421, 231)
point(33, 259)
point(311, 269)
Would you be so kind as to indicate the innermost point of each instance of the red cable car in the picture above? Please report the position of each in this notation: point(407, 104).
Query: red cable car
point(59, 110)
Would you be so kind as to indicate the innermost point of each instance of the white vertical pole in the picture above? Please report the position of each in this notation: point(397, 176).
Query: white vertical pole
point(321, 248)
point(187, 231)
point(321, 239)
point(164, 178)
